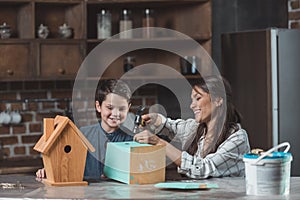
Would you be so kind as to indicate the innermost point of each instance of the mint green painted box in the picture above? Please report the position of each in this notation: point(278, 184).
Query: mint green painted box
point(135, 163)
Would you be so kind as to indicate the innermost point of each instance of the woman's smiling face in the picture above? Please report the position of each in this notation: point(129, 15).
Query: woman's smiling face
point(113, 111)
point(201, 104)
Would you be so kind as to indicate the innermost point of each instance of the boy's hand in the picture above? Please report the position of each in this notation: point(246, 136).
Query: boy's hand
point(103, 177)
point(40, 174)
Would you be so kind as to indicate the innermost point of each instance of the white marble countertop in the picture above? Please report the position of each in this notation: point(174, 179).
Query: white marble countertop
point(229, 188)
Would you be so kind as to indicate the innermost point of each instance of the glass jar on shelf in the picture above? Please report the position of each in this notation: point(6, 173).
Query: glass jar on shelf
point(43, 31)
point(189, 65)
point(5, 31)
point(104, 24)
point(65, 31)
point(148, 22)
point(129, 63)
point(125, 24)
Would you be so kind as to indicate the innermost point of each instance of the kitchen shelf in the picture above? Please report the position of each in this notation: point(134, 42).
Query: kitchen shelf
point(56, 14)
point(55, 58)
point(18, 15)
point(154, 39)
point(147, 78)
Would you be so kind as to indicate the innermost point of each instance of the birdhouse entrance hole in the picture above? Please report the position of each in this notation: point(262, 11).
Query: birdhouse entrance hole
point(67, 148)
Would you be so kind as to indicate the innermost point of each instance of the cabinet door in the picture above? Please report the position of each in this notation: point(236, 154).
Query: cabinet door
point(18, 16)
point(15, 61)
point(59, 60)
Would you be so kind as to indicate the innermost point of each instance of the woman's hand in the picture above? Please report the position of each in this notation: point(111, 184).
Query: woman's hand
point(148, 138)
point(40, 174)
point(152, 119)
point(153, 122)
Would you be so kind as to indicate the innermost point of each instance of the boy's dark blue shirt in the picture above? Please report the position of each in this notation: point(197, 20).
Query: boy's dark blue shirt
point(98, 138)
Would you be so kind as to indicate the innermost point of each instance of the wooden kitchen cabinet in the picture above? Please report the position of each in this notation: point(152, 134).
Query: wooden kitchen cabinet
point(191, 17)
point(55, 13)
point(65, 63)
point(12, 68)
point(19, 16)
point(57, 58)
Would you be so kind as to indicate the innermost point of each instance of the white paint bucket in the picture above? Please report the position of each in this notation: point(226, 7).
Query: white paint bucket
point(268, 174)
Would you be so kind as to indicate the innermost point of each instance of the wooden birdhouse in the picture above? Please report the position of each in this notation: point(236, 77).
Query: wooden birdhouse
point(64, 149)
point(135, 163)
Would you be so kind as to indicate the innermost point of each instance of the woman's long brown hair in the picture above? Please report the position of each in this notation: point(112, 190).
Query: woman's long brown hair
point(215, 86)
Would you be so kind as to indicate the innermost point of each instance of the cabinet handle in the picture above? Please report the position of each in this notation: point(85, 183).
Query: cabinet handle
point(10, 72)
point(61, 71)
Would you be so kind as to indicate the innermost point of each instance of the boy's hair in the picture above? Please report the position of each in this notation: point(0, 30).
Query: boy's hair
point(112, 86)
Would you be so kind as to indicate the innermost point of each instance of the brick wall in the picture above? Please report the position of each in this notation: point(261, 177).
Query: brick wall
point(36, 100)
point(294, 14)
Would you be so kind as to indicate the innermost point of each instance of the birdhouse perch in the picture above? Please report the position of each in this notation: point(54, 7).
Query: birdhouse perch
point(64, 149)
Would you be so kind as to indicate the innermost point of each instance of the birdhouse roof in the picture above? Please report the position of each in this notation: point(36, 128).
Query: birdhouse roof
point(60, 123)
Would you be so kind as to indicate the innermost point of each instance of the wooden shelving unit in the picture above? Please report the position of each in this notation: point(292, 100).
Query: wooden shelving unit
point(24, 56)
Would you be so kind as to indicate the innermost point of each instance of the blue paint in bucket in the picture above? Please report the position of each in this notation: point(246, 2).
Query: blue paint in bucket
point(268, 174)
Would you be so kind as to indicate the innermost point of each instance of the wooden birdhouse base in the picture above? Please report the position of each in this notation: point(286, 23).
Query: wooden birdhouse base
point(51, 183)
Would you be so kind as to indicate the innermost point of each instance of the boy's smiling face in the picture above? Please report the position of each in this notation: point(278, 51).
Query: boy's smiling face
point(113, 111)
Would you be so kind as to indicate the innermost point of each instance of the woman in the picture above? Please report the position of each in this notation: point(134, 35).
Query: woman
point(213, 144)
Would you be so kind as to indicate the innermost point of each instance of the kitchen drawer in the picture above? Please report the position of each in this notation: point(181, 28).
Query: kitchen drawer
point(16, 60)
point(59, 60)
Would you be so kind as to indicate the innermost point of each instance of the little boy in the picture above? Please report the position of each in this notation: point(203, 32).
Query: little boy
point(112, 103)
